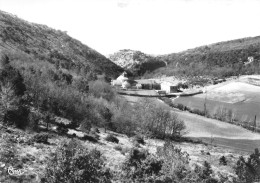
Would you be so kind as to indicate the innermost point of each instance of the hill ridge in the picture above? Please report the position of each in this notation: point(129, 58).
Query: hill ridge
point(50, 44)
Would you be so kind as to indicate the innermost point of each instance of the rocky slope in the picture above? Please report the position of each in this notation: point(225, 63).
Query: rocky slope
point(135, 61)
point(55, 46)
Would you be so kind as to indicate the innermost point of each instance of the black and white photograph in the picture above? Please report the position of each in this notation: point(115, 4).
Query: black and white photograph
point(129, 91)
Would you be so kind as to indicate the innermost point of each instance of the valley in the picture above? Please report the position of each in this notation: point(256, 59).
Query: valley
point(70, 114)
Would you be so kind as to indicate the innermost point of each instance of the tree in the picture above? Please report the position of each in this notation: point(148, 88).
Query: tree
point(249, 170)
point(101, 89)
point(157, 121)
point(12, 89)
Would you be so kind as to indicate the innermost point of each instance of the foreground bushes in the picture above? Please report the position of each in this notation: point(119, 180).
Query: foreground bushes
point(112, 138)
point(248, 170)
point(140, 166)
point(169, 165)
point(72, 163)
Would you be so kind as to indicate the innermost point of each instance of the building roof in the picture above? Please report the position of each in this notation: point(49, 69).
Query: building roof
point(170, 83)
point(146, 81)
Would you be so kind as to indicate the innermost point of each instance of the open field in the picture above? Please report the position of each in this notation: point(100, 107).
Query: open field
point(242, 98)
point(223, 134)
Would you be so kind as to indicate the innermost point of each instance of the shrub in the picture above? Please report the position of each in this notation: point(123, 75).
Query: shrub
point(139, 139)
point(33, 121)
point(62, 130)
point(102, 89)
point(111, 138)
point(90, 138)
point(176, 166)
point(205, 171)
point(140, 166)
point(96, 130)
point(41, 138)
point(176, 163)
point(223, 161)
point(158, 122)
point(248, 170)
point(19, 116)
point(125, 150)
point(72, 163)
point(118, 148)
point(199, 112)
point(85, 125)
point(122, 118)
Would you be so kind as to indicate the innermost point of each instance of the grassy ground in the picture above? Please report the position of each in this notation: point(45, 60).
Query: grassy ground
point(222, 134)
point(34, 156)
point(242, 98)
point(225, 134)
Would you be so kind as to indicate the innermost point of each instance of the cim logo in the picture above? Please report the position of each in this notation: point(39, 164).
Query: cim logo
point(15, 172)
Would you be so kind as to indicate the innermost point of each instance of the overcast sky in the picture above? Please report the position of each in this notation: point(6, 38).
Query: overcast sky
point(151, 26)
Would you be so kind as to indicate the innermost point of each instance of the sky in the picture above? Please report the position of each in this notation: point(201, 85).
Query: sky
point(151, 26)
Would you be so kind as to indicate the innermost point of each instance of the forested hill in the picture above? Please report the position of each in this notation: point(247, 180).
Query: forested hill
point(220, 59)
point(43, 43)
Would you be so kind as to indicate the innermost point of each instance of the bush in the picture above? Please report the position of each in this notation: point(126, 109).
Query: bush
point(125, 150)
point(41, 138)
point(223, 161)
point(102, 89)
point(176, 163)
point(111, 138)
point(176, 166)
point(248, 170)
point(90, 138)
point(33, 121)
point(199, 112)
point(139, 139)
point(158, 122)
point(72, 163)
point(140, 166)
point(118, 148)
point(96, 130)
point(205, 171)
point(62, 130)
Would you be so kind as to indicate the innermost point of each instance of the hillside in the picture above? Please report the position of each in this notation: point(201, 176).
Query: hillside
point(218, 60)
point(55, 46)
point(135, 61)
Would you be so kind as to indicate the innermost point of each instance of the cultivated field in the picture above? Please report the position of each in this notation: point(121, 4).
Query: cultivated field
point(220, 133)
point(209, 130)
point(241, 97)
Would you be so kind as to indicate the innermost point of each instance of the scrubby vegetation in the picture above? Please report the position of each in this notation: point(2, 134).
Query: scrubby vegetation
point(248, 170)
point(112, 138)
point(54, 46)
point(71, 162)
point(216, 60)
